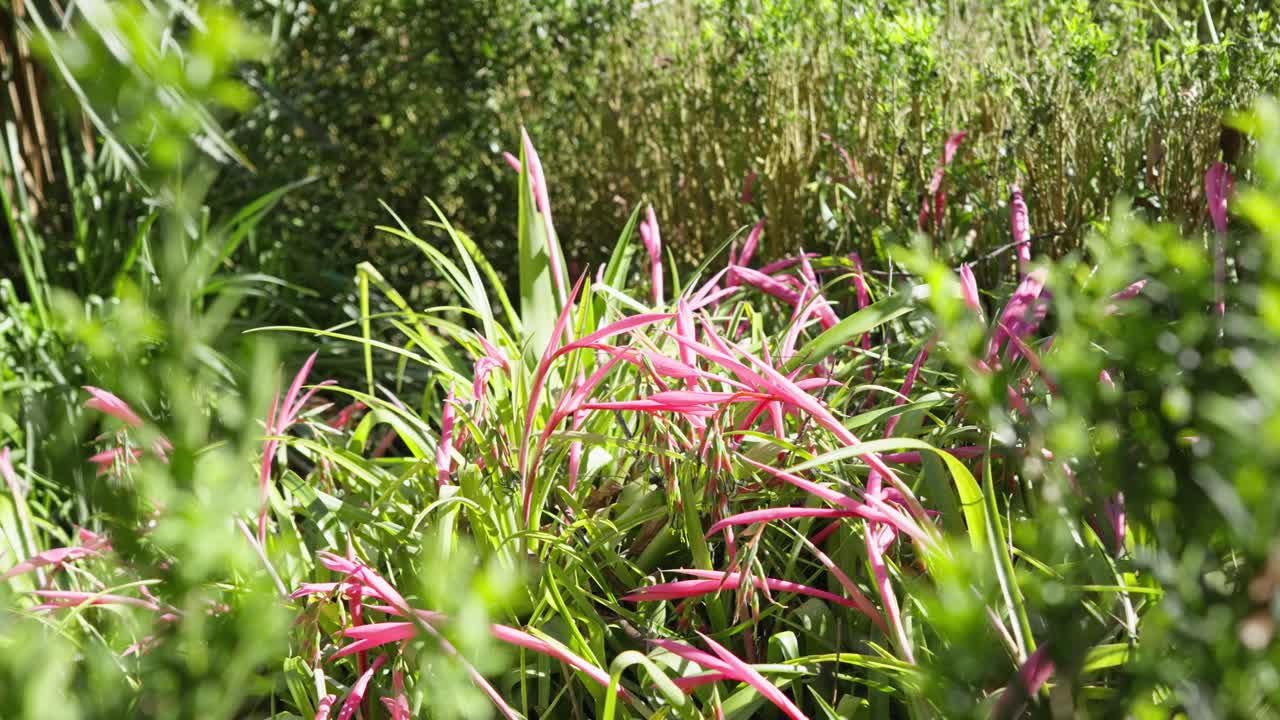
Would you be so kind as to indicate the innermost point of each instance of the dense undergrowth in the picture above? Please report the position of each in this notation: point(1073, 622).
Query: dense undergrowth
point(828, 116)
point(823, 485)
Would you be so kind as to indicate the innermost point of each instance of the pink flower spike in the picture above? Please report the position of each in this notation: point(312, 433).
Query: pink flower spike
point(1116, 517)
point(778, 385)
point(935, 192)
point(92, 540)
point(325, 707)
point(899, 521)
point(748, 675)
point(864, 299)
point(375, 635)
point(778, 266)
point(1021, 228)
point(56, 556)
point(953, 144)
point(1218, 185)
point(850, 588)
point(689, 683)
point(1130, 292)
point(752, 243)
point(712, 298)
point(554, 650)
point(713, 581)
point(364, 575)
point(907, 384)
point(1033, 674)
point(397, 705)
point(108, 403)
point(358, 690)
point(325, 588)
point(10, 477)
point(1022, 314)
point(107, 459)
point(511, 160)
point(337, 563)
point(618, 327)
point(282, 416)
point(694, 655)
point(748, 183)
point(685, 327)
point(652, 240)
point(785, 513)
point(444, 449)
point(542, 200)
point(969, 290)
point(70, 598)
point(291, 406)
point(536, 175)
point(876, 543)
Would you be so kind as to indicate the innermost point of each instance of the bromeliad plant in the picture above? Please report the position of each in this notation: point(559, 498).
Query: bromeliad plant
point(687, 481)
point(752, 492)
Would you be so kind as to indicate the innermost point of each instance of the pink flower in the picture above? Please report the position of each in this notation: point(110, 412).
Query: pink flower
point(108, 403)
point(935, 192)
point(1033, 674)
point(713, 581)
point(354, 698)
point(543, 202)
point(752, 243)
point(279, 420)
point(68, 598)
point(346, 414)
point(1022, 315)
point(742, 672)
point(10, 477)
point(1218, 185)
point(747, 184)
point(907, 384)
point(56, 556)
point(652, 240)
point(779, 289)
point(969, 290)
point(363, 580)
point(683, 402)
point(864, 299)
point(91, 545)
point(107, 459)
point(1020, 227)
point(444, 450)
point(1114, 509)
point(397, 705)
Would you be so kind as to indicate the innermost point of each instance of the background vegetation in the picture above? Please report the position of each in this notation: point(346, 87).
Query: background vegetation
point(193, 199)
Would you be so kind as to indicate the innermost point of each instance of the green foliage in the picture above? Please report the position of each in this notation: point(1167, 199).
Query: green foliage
point(1078, 524)
point(394, 100)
